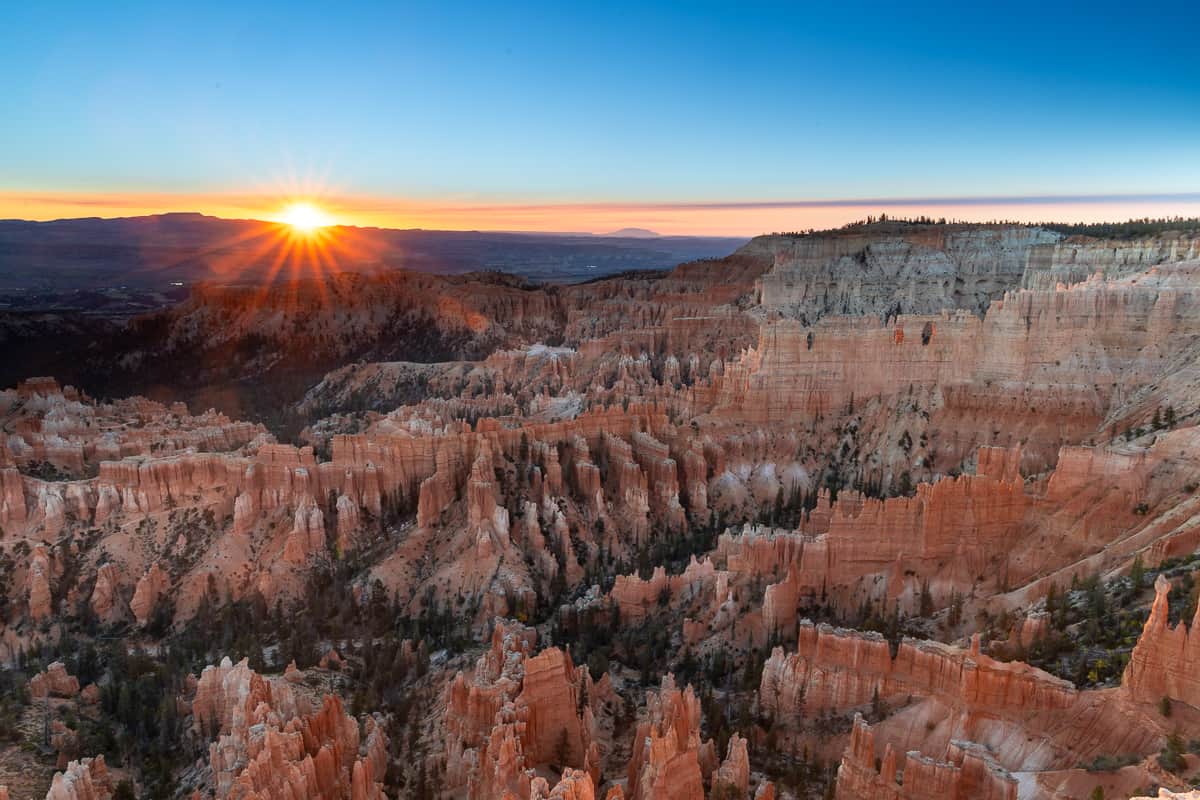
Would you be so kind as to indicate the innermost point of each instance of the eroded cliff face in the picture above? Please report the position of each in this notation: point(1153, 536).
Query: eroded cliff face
point(1042, 368)
point(1078, 258)
point(968, 772)
point(879, 274)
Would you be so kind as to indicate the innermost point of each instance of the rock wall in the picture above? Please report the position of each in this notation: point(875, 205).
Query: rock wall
point(636, 597)
point(1042, 368)
point(1078, 258)
point(838, 670)
point(936, 697)
point(968, 773)
point(954, 534)
point(913, 270)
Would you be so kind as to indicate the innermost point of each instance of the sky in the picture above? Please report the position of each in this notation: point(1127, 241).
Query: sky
point(722, 118)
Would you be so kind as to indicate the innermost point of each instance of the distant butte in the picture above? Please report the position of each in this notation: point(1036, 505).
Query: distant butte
point(634, 233)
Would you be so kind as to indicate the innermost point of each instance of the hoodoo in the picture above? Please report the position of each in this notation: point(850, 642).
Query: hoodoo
point(902, 509)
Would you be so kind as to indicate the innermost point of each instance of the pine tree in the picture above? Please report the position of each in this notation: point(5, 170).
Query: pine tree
point(1137, 572)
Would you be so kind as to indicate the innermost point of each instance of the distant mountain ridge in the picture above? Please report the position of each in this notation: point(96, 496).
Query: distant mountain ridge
point(155, 251)
point(634, 233)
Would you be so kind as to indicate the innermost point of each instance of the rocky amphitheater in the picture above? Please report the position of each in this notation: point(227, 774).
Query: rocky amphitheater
point(898, 511)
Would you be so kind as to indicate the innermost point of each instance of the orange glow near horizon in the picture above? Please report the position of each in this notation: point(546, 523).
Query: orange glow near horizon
point(304, 217)
point(683, 218)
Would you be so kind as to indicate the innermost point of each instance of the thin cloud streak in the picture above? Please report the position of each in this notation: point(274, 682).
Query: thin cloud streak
point(1187, 197)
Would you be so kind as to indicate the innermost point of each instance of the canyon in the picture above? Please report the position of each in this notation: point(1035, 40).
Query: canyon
point(906, 510)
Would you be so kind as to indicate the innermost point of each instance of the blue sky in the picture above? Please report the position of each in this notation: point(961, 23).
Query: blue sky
point(586, 103)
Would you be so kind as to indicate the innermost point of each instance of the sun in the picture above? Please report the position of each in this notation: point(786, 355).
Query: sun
point(304, 217)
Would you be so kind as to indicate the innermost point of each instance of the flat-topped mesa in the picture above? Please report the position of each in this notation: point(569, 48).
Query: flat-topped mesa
point(968, 772)
point(838, 670)
point(1166, 660)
